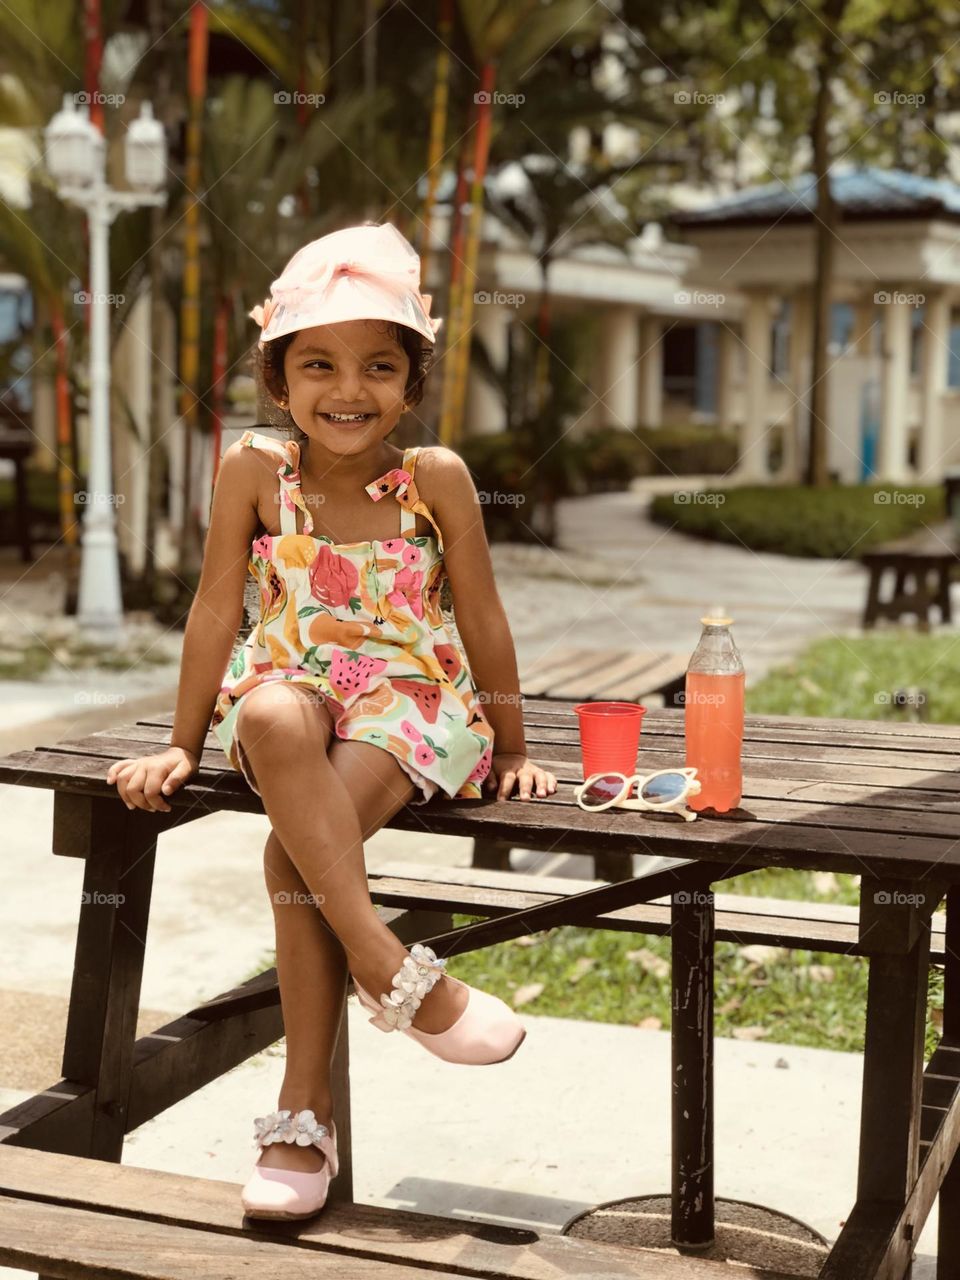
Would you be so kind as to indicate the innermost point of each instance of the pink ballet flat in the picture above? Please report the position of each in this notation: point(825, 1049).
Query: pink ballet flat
point(290, 1193)
point(486, 1032)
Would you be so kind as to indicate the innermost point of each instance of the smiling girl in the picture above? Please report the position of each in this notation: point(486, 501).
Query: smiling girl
point(350, 697)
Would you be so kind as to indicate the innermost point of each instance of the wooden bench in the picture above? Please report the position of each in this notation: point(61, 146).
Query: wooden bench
point(875, 799)
point(922, 566)
point(71, 1217)
point(613, 675)
point(775, 922)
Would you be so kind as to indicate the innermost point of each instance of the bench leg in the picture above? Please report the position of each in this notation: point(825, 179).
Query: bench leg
point(108, 964)
point(341, 1188)
point(943, 593)
point(691, 1040)
point(872, 606)
point(492, 855)
point(948, 1222)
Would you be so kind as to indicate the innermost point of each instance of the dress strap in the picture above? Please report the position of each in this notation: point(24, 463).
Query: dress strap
point(401, 480)
point(288, 473)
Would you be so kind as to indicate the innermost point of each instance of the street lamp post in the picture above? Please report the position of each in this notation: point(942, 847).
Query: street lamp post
point(76, 158)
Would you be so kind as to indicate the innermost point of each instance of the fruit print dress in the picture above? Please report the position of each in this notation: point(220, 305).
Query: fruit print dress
point(359, 624)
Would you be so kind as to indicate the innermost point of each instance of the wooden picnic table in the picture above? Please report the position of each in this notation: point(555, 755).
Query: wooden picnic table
point(881, 800)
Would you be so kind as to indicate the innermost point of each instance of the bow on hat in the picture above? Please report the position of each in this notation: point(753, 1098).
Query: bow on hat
point(312, 270)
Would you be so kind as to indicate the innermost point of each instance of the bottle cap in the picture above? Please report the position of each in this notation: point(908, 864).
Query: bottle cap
point(716, 617)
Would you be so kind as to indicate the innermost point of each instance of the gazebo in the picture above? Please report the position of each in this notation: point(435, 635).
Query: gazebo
point(894, 355)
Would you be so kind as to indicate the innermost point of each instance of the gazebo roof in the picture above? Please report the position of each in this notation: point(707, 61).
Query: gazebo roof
point(860, 193)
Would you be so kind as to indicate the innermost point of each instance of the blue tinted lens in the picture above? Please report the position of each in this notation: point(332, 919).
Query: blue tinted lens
point(602, 790)
point(663, 788)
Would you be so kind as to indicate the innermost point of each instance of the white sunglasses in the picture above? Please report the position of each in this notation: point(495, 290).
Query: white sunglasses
point(664, 791)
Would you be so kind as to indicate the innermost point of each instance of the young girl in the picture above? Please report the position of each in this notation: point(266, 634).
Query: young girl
point(349, 698)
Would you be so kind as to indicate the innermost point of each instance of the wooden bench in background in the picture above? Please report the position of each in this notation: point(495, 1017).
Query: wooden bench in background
point(922, 566)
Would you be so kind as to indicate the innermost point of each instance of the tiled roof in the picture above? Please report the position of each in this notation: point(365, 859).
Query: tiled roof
point(861, 193)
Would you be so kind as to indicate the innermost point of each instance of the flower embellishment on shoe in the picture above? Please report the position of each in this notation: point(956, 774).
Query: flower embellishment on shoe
point(416, 978)
point(301, 1127)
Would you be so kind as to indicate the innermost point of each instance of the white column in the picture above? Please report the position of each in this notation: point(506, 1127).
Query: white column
point(651, 371)
point(892, 452)
point(726, 375)
point(796, 425)
point(935, 347)
point(866, 319)
point(619, 377)
point(131, 396)
point(756, 340)
point(486, 410)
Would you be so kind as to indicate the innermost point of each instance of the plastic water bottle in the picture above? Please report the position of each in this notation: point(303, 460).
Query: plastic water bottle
point(713, 716)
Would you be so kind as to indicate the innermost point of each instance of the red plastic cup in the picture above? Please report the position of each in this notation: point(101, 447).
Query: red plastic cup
point(609, 736)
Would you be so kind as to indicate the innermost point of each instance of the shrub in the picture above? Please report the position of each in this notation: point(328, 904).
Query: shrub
point(835, 522)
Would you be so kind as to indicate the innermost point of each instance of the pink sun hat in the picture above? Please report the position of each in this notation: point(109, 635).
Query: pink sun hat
point(370, 272)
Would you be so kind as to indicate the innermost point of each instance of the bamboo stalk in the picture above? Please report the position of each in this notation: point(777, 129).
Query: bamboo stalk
point(190, 299)
point(472, 251)
point(438, 130)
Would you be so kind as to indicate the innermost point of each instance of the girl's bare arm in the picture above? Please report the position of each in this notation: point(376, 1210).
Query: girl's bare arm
point(481, 619)
point(215, 617)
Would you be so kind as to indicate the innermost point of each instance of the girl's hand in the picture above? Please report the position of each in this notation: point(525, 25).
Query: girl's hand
point(506, 769)
point(144, 783)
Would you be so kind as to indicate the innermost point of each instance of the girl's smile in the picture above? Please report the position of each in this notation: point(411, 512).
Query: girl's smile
point(346, 384)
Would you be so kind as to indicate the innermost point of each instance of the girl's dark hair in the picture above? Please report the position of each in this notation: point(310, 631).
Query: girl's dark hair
point(268, 367)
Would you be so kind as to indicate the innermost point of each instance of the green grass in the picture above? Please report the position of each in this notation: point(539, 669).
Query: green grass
point(856, 676)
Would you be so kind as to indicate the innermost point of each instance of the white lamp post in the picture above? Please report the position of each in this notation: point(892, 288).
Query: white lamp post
point(76, 157)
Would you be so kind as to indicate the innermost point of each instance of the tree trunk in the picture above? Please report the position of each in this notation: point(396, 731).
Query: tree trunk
point(452, 327)
point(66, 461)
point(461, 356)
point(190, 301)
point(438, 130)
point(221, 324)
point(826, 224)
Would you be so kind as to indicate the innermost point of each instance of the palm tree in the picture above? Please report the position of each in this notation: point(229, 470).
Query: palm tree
point(507, 38)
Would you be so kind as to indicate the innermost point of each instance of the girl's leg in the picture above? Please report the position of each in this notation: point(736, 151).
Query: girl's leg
point(311, 960)
point(284, 734)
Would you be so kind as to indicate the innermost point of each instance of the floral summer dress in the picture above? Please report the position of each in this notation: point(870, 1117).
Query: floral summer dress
point(359, 624)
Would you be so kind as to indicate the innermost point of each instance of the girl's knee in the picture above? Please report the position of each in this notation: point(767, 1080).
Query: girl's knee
point(283, 717)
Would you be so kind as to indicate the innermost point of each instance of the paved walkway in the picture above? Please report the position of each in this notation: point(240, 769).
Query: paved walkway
point(618, 580)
